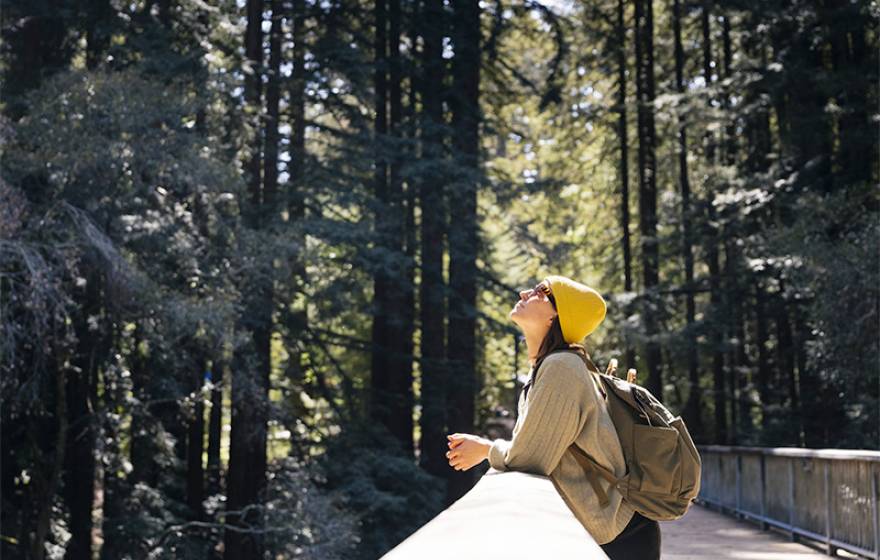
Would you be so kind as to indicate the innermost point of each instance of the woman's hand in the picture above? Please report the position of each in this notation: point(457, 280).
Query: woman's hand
point(466, 450)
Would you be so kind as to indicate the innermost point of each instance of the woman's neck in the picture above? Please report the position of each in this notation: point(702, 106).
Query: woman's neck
point(533, 343)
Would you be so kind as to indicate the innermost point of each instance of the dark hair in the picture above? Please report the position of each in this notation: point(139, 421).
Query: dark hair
point(554, 340)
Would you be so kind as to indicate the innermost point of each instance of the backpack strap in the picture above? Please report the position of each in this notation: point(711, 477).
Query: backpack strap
point(594, 470)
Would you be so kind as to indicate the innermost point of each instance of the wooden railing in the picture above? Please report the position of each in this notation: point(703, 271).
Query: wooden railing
point(511, 515)
point(826, 495)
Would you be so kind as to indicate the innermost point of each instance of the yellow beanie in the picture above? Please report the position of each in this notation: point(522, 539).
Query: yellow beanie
point(581, 309)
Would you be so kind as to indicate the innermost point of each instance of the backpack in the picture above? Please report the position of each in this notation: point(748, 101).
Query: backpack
point(662, 462)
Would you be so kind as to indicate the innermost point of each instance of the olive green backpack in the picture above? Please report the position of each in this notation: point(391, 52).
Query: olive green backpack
point(663, 465)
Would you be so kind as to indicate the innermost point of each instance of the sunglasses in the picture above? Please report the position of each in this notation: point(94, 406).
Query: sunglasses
point(545, 289)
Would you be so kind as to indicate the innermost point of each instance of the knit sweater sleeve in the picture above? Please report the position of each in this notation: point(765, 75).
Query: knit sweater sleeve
point(554, 416)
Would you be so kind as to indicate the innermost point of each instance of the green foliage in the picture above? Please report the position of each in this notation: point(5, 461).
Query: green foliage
point(306, 521)
point(828, 257)
point(385, 489)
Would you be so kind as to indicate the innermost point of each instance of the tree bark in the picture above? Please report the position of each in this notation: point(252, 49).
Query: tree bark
point(739, 376)
point(757, 121)
point(401, 302)
point(247, 453)
point(380, 409)
point(215, 428)
point(693, 407)
point(143, 424)
point(623, 166)
point(273, 97)
point(39, 45)
point(79, 457)
point(463, 236)
point(853, 68)
point(195, 474)
point(644, 14)
point(764, 374)
point(711, 238)
point(45, 488)
point(807, 385)
point(253, 92)
point(98, 20)
point(785, 355)
point(297, 319)
point(432, 445)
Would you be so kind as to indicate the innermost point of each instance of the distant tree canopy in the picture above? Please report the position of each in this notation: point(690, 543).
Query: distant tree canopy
point(257, 256)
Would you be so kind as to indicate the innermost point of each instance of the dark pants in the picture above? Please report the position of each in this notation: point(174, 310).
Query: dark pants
point(639, 540)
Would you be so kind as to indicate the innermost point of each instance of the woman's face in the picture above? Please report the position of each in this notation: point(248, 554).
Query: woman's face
point(534, 311)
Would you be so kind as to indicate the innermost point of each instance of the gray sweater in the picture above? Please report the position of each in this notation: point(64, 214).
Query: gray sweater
point(563, 406)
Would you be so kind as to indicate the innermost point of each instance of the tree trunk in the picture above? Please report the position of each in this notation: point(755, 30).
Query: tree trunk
point(732, 319)
point(853, 68)
point(273, 97)
point(380, 408)
point(693, 407)
point(195, 474)
point(247, 452)
point(98, 20)
point(623, 141)
point(463, 237)
point(253, 104)
point(297, 319)
point(432, 445)
point(298, 113)
point(761, 334)
point(79, 457)
point(730, 144)
point(808, 144)
point(648, 189)
point(113, 489)
point(40, 44)
point(215, 428)
point(401, 301)
point(44, 488)
point(711, 238)
point(706, 28)
point(758, 140)
point(785, 355)
point(143, 424)
point(807, 384)
point(740, 421)
point(745, 376)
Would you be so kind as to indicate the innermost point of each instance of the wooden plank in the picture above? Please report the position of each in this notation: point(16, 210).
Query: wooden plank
point(706, 535)
point(828, 510)
point(874, 508)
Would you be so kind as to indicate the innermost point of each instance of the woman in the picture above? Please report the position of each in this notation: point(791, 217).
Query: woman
point(562, 404)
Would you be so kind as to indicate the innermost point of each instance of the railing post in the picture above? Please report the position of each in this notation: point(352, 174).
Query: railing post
point(721, 485)
point(794, 536)
point(829, 523)
point(764, 524)
point(739, 484)
point(876, 512)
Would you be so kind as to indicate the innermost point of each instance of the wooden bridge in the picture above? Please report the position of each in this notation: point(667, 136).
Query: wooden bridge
point(755, 504)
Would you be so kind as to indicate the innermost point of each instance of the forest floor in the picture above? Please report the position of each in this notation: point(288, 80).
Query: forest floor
point(702, 534)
